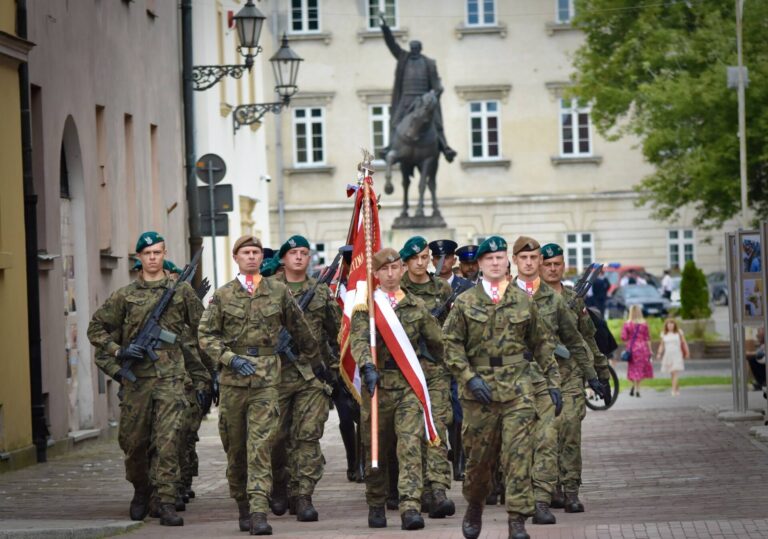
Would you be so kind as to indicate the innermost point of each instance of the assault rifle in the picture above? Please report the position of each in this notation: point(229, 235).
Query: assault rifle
point(151, 334)
point(284, 340)
point(583, 285)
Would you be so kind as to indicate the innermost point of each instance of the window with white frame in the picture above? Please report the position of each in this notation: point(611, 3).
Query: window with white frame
point(305, 16)
point(379, 119)
point(320, 255)
point(484, 134)
point(575, 128)
point(308, 132)
point(388, 7)
point(680, 246)
point(579, 250)
point(565, 11)
point(481, 12)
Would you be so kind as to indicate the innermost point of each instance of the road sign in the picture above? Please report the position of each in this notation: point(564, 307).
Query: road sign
point(222, 199)
point(222, 225)
point(210, 168)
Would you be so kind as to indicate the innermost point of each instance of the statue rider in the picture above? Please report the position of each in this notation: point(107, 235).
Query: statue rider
point(415, 75)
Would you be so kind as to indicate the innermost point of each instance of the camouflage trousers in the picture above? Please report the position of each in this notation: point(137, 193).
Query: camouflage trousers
point(435, 463)
point(499, 432)
point(297, 461)
point(545, 472)
point(401, 423)
point(188, 462)
point(569, 439)
point(247, 425)
point(151, 414)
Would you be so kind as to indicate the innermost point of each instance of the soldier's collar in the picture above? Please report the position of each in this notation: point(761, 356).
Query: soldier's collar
point(160, 283)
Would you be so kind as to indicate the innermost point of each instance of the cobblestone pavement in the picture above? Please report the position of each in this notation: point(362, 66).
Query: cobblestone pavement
point(654, 467)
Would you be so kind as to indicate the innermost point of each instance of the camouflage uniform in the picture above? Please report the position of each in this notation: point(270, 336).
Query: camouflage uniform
point(574, 405)
point(496, 342)
point(401, 418)
point(561, 323)
point(152, 407)
point(436, 466)
point(238, 324)
point(304, 400)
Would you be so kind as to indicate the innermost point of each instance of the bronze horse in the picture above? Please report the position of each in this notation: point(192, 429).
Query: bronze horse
point(416, 146)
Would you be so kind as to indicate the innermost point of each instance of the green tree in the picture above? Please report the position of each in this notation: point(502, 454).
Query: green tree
point(656, 69)
point(694, 293)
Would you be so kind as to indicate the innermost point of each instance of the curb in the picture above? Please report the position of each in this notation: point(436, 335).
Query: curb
point(65, 529)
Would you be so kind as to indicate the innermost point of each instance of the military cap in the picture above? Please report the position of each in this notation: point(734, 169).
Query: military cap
point(268, 253)
point(146, 239)
point(386, 256)
point(292, 243)
point(270, 266)
point(493, 244)
point(246, 241)
point(551, 250)
point(524, 243)
point(346, 253)
point(412, 247)
point(466, 253)
point(442, 247)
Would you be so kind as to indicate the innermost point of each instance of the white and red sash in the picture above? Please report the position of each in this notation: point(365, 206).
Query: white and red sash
point(401, 349)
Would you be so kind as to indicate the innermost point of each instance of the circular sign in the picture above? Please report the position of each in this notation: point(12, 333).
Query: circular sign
point(210, 168)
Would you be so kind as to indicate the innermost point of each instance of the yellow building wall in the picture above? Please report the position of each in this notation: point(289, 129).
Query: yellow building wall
point(15, 411)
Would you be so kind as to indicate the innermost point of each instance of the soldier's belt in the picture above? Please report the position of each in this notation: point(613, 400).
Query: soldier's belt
point(254, 350)
point(499, 361)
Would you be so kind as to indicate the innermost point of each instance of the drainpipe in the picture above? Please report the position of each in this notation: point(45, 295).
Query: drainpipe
point(39, 426)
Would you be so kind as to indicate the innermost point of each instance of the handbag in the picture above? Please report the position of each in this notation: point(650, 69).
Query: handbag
point(626, 355)
point(684, 347)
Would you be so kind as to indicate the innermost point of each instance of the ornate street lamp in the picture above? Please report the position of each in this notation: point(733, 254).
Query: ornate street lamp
point(249, 22)
point(285, 66)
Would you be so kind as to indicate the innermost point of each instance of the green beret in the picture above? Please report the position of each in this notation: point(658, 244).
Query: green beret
point(493, 244)
point(147, 239)
point(551, 250)
point(270, 266)
point(412, 247)
point(292, 243)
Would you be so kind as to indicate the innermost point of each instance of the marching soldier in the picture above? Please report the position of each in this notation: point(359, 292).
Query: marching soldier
point(401, 416)
point(446, 250)
point(574, 405)
point(468, 267)
point(297, 461)
point(154, 404)
point(574, 364)
point(434, 292)
point(239, 329)
point(491, 336)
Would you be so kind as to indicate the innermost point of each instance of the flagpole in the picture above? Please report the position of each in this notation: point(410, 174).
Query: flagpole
point(368, 230)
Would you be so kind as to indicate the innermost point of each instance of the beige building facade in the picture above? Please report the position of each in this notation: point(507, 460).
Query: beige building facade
point(529, 161)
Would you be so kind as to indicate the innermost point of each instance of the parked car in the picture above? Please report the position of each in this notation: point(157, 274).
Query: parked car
point(718, 287)
point(614, 274)
point(646, 295)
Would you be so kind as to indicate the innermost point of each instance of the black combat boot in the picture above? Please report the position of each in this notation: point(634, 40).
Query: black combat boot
point(517, 528)
point(179, 505)
point(244, 516)
point(278, 503)
point(473, 521)
point(558, 500)
point(291, 505)
point(411, 520)
point(393, 502)
point(190, 493)
point(572, 503)
point(139, 504)
point(377, 518)
point(168, 516)
point(154, 507)
point(441, 506)
point(305, 511)
point(543, 515)
point(492, 499)
point(427, 499)
point(259, 525)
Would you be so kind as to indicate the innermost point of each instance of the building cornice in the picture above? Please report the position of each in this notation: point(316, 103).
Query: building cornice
point(325, 37)
point(14, 47)
point(375, 96)
point(466, 30)
point(304, 99)
point(557, 87)
point(398, 33)
point(478, 92)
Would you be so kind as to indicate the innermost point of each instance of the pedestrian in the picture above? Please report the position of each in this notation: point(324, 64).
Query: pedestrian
point(635, 333)
point(666, 285)
point(492, 335)
point(395, 377)
point(153, 404)
point(239, 329)
point(673, 349)
point(297, 460)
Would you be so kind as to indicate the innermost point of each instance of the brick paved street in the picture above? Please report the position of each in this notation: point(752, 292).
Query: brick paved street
point(655, 467)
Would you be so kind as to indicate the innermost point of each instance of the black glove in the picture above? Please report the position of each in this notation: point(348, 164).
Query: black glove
point(117, 377)
point(121, 393)
point(132, 351)
point(321, 373)
point(607, 393)
point(370, 377)
point(242, 366)
point(597, 387)
point(557, 400)
point(203, 399)
point(479, 389)
point(215, 388)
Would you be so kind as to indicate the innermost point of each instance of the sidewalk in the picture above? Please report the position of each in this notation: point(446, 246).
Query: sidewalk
point(654, 467)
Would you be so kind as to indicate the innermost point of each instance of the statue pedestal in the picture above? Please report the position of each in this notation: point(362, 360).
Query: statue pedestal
point(434, 221)
point(396, 237)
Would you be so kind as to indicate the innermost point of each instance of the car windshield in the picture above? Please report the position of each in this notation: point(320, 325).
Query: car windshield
point(641, 291)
